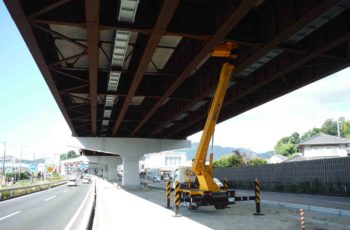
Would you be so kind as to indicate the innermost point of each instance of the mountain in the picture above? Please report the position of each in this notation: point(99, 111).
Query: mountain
point(266, 155)
point(220, 151)
point(39, 160)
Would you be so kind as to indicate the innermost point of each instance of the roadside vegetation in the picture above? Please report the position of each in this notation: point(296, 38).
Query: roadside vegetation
point(69, 155)
point(288, 146)
point(237, 159)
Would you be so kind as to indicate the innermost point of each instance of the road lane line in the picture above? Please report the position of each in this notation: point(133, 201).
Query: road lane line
point(40, 193)
point(71, 222)
point(50, 198)
point(12, 214)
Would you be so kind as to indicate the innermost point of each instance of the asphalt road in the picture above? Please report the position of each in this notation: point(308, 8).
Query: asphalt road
point(49, 209)
point(304, 199)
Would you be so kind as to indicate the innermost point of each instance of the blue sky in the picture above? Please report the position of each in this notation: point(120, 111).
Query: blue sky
point(29, 115)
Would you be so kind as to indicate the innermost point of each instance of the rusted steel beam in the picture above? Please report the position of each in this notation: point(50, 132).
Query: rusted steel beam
point(304, 20)
point(77, 105)
point(230, 23)
point(302, 78)
point(69, 58)
point(275, 69)
point(285, 34)
point(66, 94)
point(55, 22)
point(160, 26)
point(120, 26)
point(70, 90)
point(92, 14)
point(19, 16)
point(48, 8)
point(60, 36)
point(69, 75)
point(201, 90)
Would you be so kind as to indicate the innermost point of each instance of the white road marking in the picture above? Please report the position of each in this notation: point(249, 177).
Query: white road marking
point(30, 194)
point(65, 190)
point(71, 222)
point(12, 214)
point(50, 198)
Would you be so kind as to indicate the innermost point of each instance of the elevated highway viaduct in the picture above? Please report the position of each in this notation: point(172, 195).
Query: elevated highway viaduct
point(139, 72)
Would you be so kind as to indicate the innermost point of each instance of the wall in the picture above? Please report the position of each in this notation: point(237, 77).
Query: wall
point(315, 151)
point(165, 160)
point(326, 176)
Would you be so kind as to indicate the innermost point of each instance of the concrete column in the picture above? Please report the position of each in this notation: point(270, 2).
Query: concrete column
point(131, 170)
point(105, 172)
point(100, 172)
point(112, 168)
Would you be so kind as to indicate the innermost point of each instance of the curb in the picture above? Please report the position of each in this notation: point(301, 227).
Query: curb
point(333, 211)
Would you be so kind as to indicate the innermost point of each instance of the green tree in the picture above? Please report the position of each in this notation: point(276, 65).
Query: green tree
point(288, 145)
point(330, 127)
point(310, 133)
point(69, 155)
point(257, 161)
point(230, 160)
point(345, 127)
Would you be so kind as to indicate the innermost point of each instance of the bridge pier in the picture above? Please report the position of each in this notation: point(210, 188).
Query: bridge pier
point(129, 150)
point(131, 170)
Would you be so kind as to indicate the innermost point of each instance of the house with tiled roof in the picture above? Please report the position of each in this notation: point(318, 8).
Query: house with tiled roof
point(276, 158)
point(324, 146)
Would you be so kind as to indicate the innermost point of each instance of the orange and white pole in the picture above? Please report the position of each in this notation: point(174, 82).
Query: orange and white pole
point(302, 219)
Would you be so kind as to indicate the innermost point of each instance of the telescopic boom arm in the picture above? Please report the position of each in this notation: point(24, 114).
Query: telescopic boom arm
point(203, 173)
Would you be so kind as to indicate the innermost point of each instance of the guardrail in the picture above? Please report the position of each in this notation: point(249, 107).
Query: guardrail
point(20, 191)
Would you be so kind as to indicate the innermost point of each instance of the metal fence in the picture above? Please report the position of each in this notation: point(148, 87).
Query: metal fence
point(324, 172)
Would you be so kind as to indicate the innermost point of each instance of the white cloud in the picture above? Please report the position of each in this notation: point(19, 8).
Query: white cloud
point(259, 129)
point(40, 138)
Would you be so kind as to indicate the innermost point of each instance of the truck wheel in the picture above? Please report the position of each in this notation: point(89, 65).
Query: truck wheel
point(191, 207)
point(219, 206)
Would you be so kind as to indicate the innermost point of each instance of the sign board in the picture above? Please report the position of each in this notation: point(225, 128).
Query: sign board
point(41, 167)
point(49, 169)
point(33, 167)
point(82, 166)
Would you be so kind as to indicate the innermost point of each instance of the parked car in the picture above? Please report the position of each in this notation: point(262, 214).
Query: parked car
point(156, 179)
point(167, 177)
point(86, 180)
point(72, 182)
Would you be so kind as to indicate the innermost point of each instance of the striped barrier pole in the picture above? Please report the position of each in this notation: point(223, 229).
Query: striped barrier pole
point(302, 219)
point(168, 191)
point(177, 197)
point(257, 198)
point(225, 185)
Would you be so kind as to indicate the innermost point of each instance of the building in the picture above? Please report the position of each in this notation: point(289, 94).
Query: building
point(276, 158)
point(165, 161)
point(324, 146)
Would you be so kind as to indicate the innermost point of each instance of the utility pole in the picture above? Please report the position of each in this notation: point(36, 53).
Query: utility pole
point(31, 182)
point(338, 128)
point(3, 160)
point(3, 178)
point(20, 164)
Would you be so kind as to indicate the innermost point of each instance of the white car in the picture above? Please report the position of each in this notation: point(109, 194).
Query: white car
point(86, 180)
point(72, 182)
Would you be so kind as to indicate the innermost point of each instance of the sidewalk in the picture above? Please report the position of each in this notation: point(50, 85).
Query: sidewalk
point(116, 208)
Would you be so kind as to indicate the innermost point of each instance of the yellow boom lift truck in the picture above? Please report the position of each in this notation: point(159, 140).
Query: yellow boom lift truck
point(205, 191)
